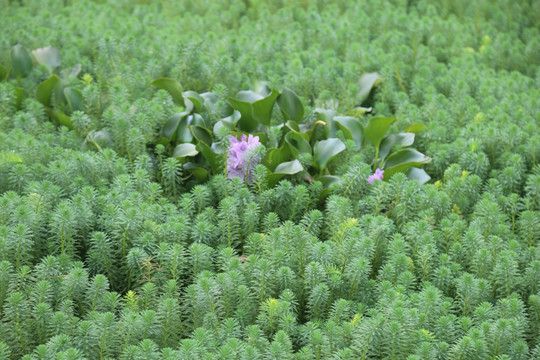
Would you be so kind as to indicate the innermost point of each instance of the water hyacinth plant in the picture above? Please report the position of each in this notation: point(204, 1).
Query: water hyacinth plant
point(242, 156)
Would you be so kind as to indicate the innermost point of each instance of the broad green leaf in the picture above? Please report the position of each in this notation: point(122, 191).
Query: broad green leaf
point(74, 98)
point(21, 61)
point(325, 115)
point(198, 172)
point(46, 88)
point(366, 84)
point(171, 126)
point(326, 150)
point(61, 118)
point(401, 139)
point(376, 129)
point(230, 121)
point(3, 72)
point(172, 86)
point(286, 168)
point(291, 125)
point(196, 119)
point(202, 134)
point(183, 134)
point(262, 109)
point(415, 128)
point(183, 150)
point(290, 105)
point(195, 98)
point(48, 56)
point(254, 108)
point(274, 157)
point(213, 159)
point(403, 160)
point(352, 128)
point(418, 174)
point(298, 144)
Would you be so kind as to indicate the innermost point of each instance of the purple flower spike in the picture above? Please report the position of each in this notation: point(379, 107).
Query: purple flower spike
point(378, 175)
point(242, 157)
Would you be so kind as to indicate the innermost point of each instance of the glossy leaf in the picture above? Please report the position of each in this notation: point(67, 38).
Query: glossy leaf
point(366, 84)
point(326, 150)
point(418, 174)
point(403, 160)
point(254, 108)
point(46, 88)
point(376, 129)
point(172, 86)
point(183, 150)
point(48, 56)
point(195, 98)
point(171, 126)
point(401, 139)
point(61, 118)
point(99, 138)
point(74, 98)
point(274, 157)
point(198, 172)
point(286, 168)
point(210, 156)
point(201, 133)
point(21, 61)
point(352, 129)
point(298, 144)
point(290, 105)
point(183, 134)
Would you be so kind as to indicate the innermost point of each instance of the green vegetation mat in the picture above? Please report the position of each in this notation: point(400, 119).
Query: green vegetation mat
point(124, 233)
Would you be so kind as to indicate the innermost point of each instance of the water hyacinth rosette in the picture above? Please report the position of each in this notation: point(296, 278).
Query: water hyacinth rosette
point(242, 156)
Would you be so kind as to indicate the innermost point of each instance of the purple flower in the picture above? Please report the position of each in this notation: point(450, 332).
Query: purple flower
point(242, 157)
point(378, 175)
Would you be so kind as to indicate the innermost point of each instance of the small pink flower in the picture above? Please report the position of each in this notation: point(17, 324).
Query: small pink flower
point(378, 175)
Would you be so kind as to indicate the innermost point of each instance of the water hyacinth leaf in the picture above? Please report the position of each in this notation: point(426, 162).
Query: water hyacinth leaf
point(291, 125)
point(74, 98)
point(48, 56)
point(290, 105)
point(401, 139)
point(326, 150)
point(172, 86)
point(195, 99)
point(403, 160)
point(171, 126)
point(298, 144)
point(415, 128)
point(45, 89)
point(286, 168)
point(3, 72)
point(61, 118)
point(262, 109)
point(21, 61)
point(418, 174)
point(376, 128)
point(183, 134)
point(366, 84)
point(263, 139)
point(254, 108)
point(274, 157)
point(183, 150)
point(210, 156)
point(352, 129)
point(201, 133)
point(99, 138)
point(198, 172)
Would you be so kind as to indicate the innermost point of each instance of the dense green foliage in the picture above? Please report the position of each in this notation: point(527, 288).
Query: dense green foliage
point(110, 250)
